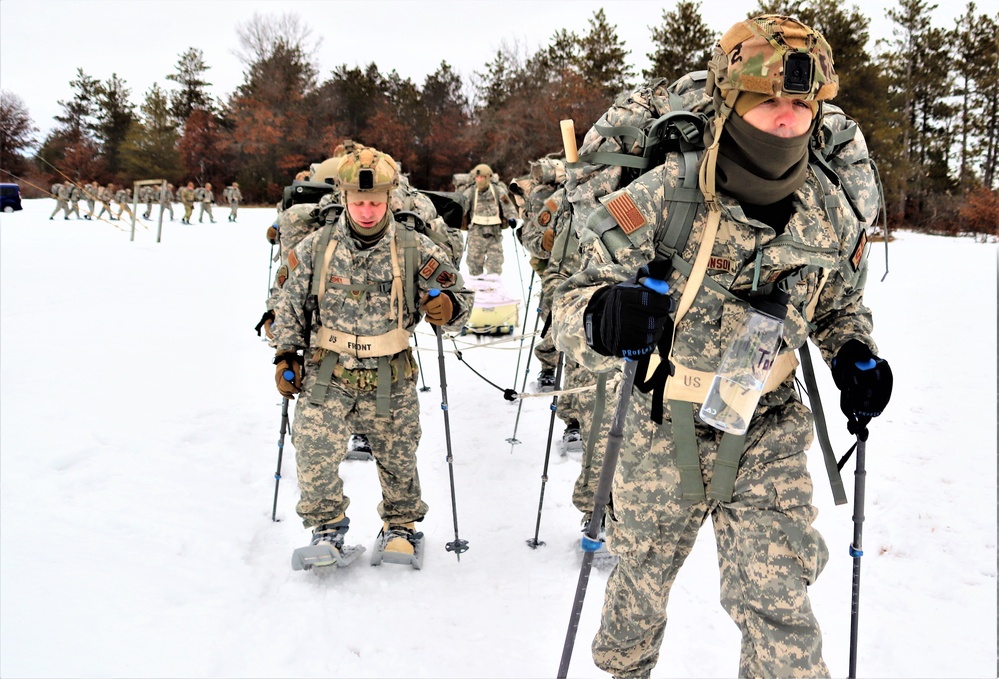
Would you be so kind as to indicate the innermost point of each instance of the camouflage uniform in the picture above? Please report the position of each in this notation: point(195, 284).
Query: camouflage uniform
point(61, 192)
point(488, 210)
point(90, 195)
point(105, 195)
point(234, 197)
point(166, 200)
point(768, 550)
point(123, 198)
point(186, 198)
point(321, 431)
point(74, 200)
point(146, 195)
point(206, 198)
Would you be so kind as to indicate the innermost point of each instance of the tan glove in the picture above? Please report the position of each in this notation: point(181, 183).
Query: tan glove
point(438, 309)
point(548, 240)
point(272, 235)
point(288, 362)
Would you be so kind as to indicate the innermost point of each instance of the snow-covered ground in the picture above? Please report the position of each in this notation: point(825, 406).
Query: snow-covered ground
point(139, 441)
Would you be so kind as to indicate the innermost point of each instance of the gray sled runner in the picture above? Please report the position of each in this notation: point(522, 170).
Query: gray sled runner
point(415, 559)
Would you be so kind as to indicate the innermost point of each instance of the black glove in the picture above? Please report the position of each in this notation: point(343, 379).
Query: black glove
point(865, 383)
point(628, 319)
point(265, 320)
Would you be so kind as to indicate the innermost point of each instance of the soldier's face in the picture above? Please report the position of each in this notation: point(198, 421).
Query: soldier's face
point(780, 117)
point(367, 213)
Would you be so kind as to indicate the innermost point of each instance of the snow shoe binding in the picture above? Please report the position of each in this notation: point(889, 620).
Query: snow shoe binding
point(327, 550)
point(399, 543)
point(359, 448)
point(546, 380)
point(602, 558)
point(572, 440)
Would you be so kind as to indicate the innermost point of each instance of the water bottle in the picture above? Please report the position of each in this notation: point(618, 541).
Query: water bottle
point(737, 386)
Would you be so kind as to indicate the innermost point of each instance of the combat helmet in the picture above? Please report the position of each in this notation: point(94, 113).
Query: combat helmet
point(367, 171)
point(769, 56)
point(482, 170)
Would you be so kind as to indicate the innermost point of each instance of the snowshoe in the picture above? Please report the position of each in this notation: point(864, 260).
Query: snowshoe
point(546, 380)
point(603, 560)
point(327, 550)
point(359, 448)
point(572, 440)
point(399, 543)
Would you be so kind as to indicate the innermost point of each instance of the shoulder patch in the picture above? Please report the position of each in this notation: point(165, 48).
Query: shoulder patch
point(551, 205)
point(544, 218)
point(429, 268)
point(292, 260)
point(857, 258)
point(625, 213)
point(447, 279)
point(282, 275)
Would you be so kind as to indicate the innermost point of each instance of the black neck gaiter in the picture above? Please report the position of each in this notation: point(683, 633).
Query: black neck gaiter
point(757, 167)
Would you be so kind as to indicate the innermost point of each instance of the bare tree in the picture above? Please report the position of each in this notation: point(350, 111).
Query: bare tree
point(261, 35)
point(16, 129)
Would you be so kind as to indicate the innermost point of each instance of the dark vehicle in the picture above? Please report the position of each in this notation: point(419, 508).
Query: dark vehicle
point(10, 197)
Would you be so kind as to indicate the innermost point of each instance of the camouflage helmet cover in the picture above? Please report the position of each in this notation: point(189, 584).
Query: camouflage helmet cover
point(324, 172)
point(774, 55)
point(482, 170)
point(367, 170)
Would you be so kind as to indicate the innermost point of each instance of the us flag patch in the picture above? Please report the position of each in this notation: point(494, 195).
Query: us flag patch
point(857, 258)
point(428, 269)
point(625, 213)
point(292, 260)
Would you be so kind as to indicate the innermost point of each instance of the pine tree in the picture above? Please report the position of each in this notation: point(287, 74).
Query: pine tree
point(682, 42)
point(193, 92)
point(115, 115)
point(150, 148)
point(603, 57)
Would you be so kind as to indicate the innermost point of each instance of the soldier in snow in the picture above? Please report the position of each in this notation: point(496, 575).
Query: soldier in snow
point(356, 288)
point(780, 234)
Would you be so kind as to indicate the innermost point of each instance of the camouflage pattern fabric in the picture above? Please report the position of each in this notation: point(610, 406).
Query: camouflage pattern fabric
point(321, 435)
point(234, 197)
point(105, 196)
point(123, 197)
point(485, 241)
point(768, 551)
point(90, 195)
point(186, 198)
point(61, 194)
point(74, 199)
point(206, 200)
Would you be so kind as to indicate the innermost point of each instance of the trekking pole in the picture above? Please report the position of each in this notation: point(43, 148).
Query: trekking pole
point(290, 376)
point(513, 440)
point(523, 330)
point(270, 267)
point(600, 499)
point(420, 362)
point(520, 271)
point(458, 545)
point(856, 549)
point(534, 543)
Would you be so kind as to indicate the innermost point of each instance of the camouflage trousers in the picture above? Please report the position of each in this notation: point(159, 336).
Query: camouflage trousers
point(573, 375)
point(123, 208)
point(105, 207)
point(233, 209)
point(188, 211)
point(205, 207)
point(768, 551)
point(320, 435)
point(485, 249)
point(60, 205)
point(90, 208)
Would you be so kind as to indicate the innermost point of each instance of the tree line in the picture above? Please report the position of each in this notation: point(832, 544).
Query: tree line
point(927, 100)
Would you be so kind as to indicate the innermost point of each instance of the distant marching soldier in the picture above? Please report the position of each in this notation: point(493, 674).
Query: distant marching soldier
point(234, 197)
point(146, 195)
point(90, 190)
point(207, 198)
point(124, 197)
point(186, 197)
point(61, 193)
point(166, 201)
point(105, 194)
point(74, 200)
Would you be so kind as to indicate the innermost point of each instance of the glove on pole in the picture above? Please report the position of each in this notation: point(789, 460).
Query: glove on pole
point(284, 430)
point(533, 543)
point(865, 384)
point(458, 545)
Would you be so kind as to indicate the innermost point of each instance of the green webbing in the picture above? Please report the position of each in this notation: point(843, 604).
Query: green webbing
point(383, 396)
point(726, 467)
point(596, 420)
point(685, 442)
point(361, 289)
point(410, 265)
point(318, 394)
point(815, 401)
point(621, 159)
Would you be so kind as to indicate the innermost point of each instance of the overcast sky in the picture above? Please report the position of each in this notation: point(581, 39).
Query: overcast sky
point(45, 41)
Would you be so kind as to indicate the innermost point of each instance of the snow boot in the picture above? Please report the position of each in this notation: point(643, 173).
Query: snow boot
point(546, 380)
point(327, 550)
point(359, 448)
point(602, 558)
point(399, 543)
point(572, 440)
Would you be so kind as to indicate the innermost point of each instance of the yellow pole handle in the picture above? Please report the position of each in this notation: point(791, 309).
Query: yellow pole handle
point(569, 141)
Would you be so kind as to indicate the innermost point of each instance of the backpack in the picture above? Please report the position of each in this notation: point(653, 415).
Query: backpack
point(644, 126)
